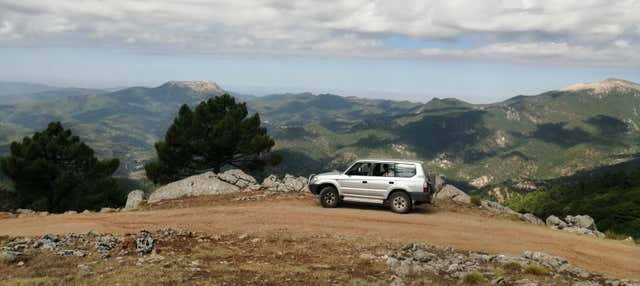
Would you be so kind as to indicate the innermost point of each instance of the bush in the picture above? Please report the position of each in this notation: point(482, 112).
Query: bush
point(218, 132)
point(537, 270)
point(473, 278)
point(54, 171)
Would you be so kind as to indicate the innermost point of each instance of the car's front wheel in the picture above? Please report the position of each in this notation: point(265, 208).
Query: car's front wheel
point(400, 202)
point(329, 197)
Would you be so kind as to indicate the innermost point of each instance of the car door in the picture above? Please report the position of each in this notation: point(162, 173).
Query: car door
point(355, 182)
point(381, 180)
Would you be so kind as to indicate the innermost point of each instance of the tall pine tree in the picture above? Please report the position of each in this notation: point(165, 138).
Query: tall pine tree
point(55, 171)
point(218, 132)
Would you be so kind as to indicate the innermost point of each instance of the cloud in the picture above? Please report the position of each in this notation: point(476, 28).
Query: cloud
point(580, 32)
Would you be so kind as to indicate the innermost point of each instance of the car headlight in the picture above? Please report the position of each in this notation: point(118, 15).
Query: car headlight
point(313, 179)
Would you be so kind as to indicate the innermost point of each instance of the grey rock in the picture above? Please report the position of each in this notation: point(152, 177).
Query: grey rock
point(532, 219)
point(450, 192)
point(270, 182)
point(555, 222)
point(422, 256)
point(237, 177)
point(145, 243)
point(203, 184)
point(581, 221)
point(552, 262)
point(498, 208)
point(25, 211)
point(70, 212)
point(8, 256)
point(105, 244)
point(134, 199)
point(294, 184)
point(107, 210)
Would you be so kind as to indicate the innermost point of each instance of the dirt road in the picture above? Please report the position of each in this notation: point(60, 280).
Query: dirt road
point(459, 230)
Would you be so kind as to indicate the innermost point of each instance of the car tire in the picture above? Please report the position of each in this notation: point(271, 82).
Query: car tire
point(400, 202)
point(329, 197)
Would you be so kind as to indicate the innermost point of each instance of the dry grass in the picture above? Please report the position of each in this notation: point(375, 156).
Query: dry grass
point(473, 278)
point(537, 270)
point(512, 267)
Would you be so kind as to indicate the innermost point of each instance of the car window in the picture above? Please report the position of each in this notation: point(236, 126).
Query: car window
point(405, 170)
point(360, 169)
point(382, 170)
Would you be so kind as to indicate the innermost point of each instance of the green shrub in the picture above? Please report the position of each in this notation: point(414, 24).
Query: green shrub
point(473, 278)
point(537, 270)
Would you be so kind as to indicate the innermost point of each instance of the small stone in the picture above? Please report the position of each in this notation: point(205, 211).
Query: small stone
point(21, 263)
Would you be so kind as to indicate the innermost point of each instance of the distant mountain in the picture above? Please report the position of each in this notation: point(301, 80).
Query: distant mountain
point(123, 124)
point(522, 139)
point(16, 92)
point(12, 88)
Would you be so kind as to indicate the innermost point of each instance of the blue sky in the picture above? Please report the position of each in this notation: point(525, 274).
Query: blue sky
point(479, 51)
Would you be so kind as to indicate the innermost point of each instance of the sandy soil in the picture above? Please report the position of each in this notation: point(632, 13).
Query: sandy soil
point(303, 215)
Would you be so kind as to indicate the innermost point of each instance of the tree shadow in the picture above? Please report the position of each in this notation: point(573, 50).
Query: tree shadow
point(559, 134)
point(453, 132)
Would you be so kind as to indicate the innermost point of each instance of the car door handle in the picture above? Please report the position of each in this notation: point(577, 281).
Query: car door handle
point(364, 182)
point(391, 183)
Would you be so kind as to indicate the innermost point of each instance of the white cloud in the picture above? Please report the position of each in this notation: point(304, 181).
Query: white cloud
point(584, 32)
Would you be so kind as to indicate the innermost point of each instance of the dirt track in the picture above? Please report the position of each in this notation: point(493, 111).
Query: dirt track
point(304, 216)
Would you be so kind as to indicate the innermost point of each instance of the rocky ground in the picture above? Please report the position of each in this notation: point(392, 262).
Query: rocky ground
point(170, 257)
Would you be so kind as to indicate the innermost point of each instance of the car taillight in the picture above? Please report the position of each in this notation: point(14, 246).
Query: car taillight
point(425, 187)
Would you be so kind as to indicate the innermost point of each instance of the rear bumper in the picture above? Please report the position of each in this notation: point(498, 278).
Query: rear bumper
point(421, 197)
point(314, 188)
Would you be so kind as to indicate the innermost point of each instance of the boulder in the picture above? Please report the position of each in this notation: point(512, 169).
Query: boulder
point(198, 185)
point(581, 221)
point(270, 182)
point(107, 210)
point(134, 199)
point(237, 177)
point(532, 219)
point(25, 211)
point(555, 222)
point(294, 184)
point(70, 212)
point(498, 208)
point(449, 192)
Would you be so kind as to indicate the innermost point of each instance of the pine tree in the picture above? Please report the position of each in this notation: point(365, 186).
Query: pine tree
point(55, 171)
point(218, 132)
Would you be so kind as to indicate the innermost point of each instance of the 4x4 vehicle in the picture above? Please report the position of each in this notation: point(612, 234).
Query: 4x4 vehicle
point(401, 184)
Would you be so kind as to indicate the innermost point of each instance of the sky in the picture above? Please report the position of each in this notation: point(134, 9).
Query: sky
point(479, 51)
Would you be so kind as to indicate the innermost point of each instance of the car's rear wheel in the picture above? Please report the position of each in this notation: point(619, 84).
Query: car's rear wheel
point(400, 202)
point(329, 197)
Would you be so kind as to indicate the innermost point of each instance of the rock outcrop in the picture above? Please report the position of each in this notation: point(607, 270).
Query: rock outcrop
point(134, 199)
point(415, 258)
point(581, 224)
point(230, 181)
point(450, 192)
point(203, 184)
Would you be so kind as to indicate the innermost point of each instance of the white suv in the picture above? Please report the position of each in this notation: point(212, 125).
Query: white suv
point(401, 184)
